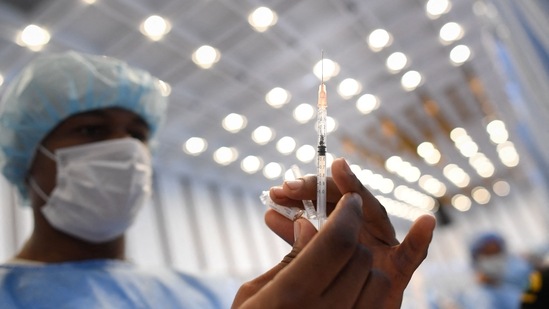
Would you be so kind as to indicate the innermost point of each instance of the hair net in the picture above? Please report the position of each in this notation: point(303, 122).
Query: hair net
point(54, 87)
point(483, 239)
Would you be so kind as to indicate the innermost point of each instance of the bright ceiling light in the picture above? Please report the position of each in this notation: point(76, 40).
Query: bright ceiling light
point(482, 165)
point(379, 39)
point(396, 62)
point(348, 88)
point(456, 175)
point(457, 134)
point(251, 164)
point(367, 103)
point(386, 186)
point(429, 153)
point(501, 188)
point(89, 1)
point(331, 124)
point(272, 170)
point(435, 8)
point(497, 131)
point(195, 146)
point(451, 32)
point(432, 185)
point(234, 122)
point(305, 153)
point(165, 88)
point(303, 113)
point(468, 148)
point(410, 80)
point(262, 19)
point(461, 202)
point(277, 97)
point(325, 69)
point(225, 155)
point(481, 195)
point(1, 80)
point(33, 37)
point(508, 154)
point(286, 145)
point(155, 27)
point(460, 54)
point(262, 135)
point(393, 164)
point(206, 56)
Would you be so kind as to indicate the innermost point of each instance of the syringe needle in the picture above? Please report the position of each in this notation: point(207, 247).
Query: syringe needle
point(321, 155)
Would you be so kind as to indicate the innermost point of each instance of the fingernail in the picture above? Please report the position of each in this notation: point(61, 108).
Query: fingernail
point(277, 191)
point(297, 229)
point(294, 184)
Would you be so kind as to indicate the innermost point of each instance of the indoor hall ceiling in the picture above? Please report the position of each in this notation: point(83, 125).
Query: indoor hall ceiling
point(252, 63)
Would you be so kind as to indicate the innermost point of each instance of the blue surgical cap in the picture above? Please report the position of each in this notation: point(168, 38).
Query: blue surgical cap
point(482, 239)
point(54, 87)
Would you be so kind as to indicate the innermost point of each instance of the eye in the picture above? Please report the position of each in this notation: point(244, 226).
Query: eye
point(92, 130)
point(140, 135)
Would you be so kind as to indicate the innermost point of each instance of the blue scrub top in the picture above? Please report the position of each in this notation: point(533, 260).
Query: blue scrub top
point(108, 284)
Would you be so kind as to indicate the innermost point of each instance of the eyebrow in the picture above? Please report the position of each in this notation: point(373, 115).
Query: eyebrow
point(104, 114)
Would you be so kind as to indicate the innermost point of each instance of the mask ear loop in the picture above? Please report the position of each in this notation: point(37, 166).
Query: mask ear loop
point(46, 152)
point(34, 186)
point(37, 189)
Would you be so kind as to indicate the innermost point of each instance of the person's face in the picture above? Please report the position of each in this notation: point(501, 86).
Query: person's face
point(83, 128)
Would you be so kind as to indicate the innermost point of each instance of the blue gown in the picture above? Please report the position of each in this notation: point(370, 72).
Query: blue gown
point(108, 284)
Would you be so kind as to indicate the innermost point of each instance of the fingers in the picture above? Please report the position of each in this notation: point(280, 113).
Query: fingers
point(325, 257)
point(375, 216)
point(414, 247)
point(350, 280)
point(280, 225)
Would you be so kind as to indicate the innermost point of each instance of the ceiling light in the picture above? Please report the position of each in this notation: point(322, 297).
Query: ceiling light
point(262, 19)
point(305, 153)
point(460, 54)
point(155, 27)
point(234, 122)
point(482, 165)
point(432, 185)
point(89, 1)
point(396, 62)
point(435, 8)
point(33, 37)
point(286, 145)
point(331, 124)
point(386, 186)
point(501, 188)
point(325, 69)
point(393, 164)
point(277, 97)
point(348, 88)
point(262, 135)
point(251, 164)
point(272, 170)
point(225, 155)
point(379, 39)
point(456, 175)
point(206, 56)
point(457, 134)
point(165, 88)
point(195, 146)
point(429, 153)
point(1, 80)
point(481, 195)
point(508, 154)
point(367, 103)
point(303, 113)
point(410, 80)
point(497, 131)
point(461, 202)
point(451, 32)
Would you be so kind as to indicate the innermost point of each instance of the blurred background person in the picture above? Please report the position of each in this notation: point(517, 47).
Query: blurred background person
point(500, 276)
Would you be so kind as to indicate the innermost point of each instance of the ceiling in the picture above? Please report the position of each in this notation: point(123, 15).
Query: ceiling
point(252, 63)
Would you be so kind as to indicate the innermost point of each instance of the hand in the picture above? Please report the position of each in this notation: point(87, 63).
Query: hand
point(329, 269)
point(393, 263)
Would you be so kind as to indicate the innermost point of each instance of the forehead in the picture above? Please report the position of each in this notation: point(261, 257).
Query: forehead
point(113, 113)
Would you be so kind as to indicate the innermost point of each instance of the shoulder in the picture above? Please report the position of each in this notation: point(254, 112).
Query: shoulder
point(537, 293)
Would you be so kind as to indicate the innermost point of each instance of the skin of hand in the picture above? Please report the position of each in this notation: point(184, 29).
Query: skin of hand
point(391, 263)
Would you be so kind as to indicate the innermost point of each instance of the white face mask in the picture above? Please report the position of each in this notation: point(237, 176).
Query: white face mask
point(493, 266)
point(100, 188)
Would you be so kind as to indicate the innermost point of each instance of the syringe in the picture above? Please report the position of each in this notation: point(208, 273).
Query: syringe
point(321, 154)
